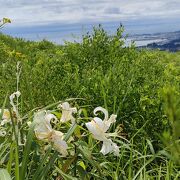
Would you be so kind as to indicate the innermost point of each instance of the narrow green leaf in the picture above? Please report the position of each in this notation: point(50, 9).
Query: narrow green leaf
point(17, 162)
point(48, 166)
point(27, 152)
point(70, 132)
point(40, 167)
point(87, 155)
point(10, 158)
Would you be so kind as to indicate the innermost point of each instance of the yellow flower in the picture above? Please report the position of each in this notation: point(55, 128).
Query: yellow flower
point(6, 20)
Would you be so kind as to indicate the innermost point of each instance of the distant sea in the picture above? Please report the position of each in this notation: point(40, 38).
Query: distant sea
point(58, 33)
point(61, 37)
point(142, 42)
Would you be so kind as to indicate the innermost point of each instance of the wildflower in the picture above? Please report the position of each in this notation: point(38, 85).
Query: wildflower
point(5, 117)
point(44, 131)
point(67, 112)
point(99, 127)
point(6, 20)
point(43, 126)
point(59, 144)
point(11, 97)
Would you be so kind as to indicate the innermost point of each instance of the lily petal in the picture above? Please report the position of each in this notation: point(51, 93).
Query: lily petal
point(96, 127)
point(102, 110)
point(67, 112)
point(42, 132)
point(108, 147)
point(43, 128)
point(108, 122)
point(59, 144)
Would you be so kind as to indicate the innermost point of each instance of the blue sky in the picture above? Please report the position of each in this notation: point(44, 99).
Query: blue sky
point(59, 19)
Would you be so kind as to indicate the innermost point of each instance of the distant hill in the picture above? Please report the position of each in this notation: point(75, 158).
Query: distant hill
point(172, 45)
point(169, 41)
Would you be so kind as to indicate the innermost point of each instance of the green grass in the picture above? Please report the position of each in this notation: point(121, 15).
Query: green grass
point(140, 86)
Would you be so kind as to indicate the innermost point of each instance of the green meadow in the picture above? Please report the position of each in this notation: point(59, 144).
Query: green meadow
point(140, 86)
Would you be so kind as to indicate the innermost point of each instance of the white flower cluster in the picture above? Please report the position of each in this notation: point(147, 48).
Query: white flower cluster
point(97, 127)
point(45, 132)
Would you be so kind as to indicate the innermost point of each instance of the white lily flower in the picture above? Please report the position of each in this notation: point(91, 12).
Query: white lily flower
point(6, 117)
point(99, 127)
point(59, 144)
point(67, 112)
point(44, 131)
point(43, 128)
point(11, 97)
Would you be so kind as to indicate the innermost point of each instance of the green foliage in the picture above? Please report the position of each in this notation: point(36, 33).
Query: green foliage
point(172, 136)
point(100, 70)
point(103, 72)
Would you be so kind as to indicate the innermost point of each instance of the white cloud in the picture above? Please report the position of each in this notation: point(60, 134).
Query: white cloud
point(39, 12)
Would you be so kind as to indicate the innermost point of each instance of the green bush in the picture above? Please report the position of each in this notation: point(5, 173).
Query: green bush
point(101, 70)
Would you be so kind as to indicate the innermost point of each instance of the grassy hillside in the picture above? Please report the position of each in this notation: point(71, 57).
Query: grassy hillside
point(137, 85)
